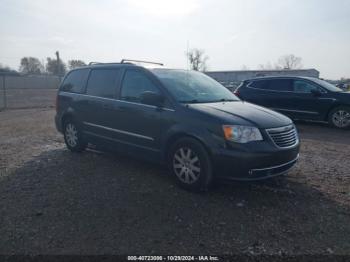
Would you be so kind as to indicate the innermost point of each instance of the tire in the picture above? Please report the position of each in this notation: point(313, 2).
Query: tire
point(339, 117)
point(73, 136)
point(190, 164)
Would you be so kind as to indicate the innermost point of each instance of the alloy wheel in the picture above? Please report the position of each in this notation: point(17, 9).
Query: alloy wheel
point(71, 135)
point(186, 165)
point(341, 118)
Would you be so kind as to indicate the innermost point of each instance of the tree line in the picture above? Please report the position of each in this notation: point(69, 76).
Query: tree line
point(54, 66)
point(196, 58)
point(198, 61)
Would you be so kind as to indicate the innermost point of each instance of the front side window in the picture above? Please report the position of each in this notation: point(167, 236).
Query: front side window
point(75, 81)
point(103, 83)
point(327, 85)
point(134, 84)
point(301, 86)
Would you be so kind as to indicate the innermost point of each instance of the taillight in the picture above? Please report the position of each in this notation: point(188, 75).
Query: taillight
point(236, 92)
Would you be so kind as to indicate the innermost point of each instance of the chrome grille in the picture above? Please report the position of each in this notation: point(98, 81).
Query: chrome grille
point(286, 136)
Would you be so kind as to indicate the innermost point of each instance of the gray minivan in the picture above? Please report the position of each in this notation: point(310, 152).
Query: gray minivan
point(182, 118)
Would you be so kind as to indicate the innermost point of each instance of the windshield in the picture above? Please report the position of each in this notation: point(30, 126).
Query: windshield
point(327, 85)
point(193, 87)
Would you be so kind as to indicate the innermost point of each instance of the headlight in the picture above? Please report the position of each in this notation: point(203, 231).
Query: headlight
point(242, 134)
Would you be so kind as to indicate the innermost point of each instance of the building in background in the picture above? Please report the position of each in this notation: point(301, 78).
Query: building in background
point(231, 79)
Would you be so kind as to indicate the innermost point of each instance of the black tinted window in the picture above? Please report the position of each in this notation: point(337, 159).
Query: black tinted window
point(103, 83)
point(261, 84)
point(280, 85)
point(301, 86)
point(75, 81)
point(273, 84)
point(134, 84)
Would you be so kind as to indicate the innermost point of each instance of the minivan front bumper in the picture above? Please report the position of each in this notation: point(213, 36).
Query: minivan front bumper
point(255, 163)
point(267, 172)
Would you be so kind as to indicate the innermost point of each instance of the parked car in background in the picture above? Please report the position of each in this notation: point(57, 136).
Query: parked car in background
point(303, 98)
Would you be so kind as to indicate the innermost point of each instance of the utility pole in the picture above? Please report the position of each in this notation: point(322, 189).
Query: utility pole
point(58, 63)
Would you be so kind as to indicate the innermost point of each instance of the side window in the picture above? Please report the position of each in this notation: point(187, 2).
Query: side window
point(134, 84)
point(103, 83)
point(75, 81)
point(281, 85)
point(301, 86)
point(260, 84)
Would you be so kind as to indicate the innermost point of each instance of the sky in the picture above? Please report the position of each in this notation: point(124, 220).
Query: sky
point(234, 34)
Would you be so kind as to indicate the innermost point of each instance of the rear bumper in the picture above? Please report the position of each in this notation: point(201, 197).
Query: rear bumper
point(255, 164)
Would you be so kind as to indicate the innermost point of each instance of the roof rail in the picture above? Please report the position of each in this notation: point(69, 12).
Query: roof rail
point(100, 63)
point(126, 61)
point(140, 61)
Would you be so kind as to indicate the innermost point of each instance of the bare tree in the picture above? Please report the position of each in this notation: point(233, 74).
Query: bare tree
point(31, 65)
point(55, 66)
point(289, 62)
point(75, 63)
point(197, 59)
point(244, 68)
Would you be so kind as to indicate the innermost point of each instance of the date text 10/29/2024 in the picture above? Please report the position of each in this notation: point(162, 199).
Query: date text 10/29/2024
point(173, 258)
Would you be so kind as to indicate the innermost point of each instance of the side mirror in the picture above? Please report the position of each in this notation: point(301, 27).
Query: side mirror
point(316, 92)
point(151, 98)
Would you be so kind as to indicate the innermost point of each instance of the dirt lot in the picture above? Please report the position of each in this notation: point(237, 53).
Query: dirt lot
point(56, 202)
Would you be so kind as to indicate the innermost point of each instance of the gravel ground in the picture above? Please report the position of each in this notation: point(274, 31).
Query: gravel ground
point(56, 202)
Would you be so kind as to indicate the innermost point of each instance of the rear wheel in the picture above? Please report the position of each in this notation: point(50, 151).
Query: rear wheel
point(190, 164)
point(73, 136)
point(340, 117)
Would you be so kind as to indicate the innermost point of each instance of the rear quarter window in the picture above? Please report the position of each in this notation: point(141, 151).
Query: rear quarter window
point(260, 84)
point(75, 81)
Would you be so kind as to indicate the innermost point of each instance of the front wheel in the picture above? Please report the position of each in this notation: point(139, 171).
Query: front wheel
point(340, 117)
point(190, 164)
point(73, 137)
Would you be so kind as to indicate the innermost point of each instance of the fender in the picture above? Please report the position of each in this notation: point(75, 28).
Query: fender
point(68, 113)
point(209, 138)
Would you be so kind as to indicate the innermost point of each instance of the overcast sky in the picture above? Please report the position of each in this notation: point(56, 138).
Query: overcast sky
point(233, 33)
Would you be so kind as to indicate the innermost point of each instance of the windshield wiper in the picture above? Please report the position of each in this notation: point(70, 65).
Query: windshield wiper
point(193, 101)
point(226, 100)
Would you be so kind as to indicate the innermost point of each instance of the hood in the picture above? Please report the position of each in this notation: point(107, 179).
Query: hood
point(344, 97)
point(243, 113)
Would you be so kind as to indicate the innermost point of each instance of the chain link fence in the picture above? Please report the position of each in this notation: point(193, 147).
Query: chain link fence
point(19, 92)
